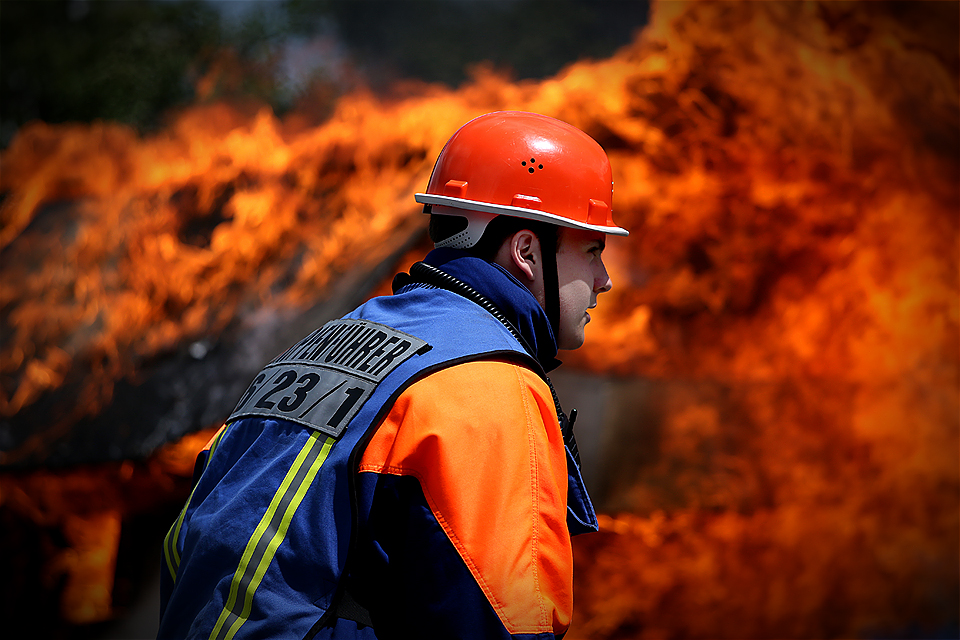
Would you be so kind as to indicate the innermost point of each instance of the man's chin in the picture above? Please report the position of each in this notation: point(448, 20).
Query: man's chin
point(571, 343)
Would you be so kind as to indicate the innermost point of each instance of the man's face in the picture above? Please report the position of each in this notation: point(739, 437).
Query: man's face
point(582, 276)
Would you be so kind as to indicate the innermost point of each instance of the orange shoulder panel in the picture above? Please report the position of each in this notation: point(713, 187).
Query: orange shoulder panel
point(483, 440)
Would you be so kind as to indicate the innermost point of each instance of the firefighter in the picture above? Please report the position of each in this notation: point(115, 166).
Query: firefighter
point(407, 470)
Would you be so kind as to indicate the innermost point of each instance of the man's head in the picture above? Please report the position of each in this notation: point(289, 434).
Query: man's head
point(532, 194)
point(581, 275)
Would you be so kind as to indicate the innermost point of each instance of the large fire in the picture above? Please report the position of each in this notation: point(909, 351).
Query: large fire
point(785, 309)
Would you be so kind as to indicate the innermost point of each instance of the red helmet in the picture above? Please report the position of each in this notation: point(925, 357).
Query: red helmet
point(525, 165)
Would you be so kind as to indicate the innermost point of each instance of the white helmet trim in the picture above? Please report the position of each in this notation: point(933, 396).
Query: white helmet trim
point(477, 223)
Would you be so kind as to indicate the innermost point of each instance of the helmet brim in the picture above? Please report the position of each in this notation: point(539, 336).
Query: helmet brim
point(507, 210)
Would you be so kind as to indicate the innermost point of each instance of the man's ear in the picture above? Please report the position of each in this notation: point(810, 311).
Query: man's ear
point(524, 253)
point(520, 256)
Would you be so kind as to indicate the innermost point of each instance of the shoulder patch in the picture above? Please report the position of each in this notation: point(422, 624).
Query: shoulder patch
point(323, 380)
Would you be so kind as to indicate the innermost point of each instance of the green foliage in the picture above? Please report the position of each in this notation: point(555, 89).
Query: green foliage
point(437, 40)
point(126, 61)
point(130, 61)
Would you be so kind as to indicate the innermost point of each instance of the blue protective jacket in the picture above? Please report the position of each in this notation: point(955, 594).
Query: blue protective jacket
point(401, 471)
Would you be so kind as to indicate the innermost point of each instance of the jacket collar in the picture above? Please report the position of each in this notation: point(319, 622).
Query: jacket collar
point(510, 296)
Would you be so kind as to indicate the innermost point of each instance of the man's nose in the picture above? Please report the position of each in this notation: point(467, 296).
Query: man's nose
point(603, 283)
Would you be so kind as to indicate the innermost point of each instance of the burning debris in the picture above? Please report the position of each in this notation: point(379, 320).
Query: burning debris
point(780, 350)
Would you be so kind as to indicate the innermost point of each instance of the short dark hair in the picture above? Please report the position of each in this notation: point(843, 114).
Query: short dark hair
point(497, 231)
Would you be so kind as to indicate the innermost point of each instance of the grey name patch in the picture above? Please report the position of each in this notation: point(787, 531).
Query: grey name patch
point(324, 380)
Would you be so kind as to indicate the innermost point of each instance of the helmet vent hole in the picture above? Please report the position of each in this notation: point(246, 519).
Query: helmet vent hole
point(533, 161)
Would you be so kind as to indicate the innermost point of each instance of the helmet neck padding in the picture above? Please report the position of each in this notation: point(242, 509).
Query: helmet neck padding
point(477, 222)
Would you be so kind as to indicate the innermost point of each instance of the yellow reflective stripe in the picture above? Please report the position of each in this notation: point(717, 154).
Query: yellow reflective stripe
point(169, 544)
point(170, 552)
point(269, 533)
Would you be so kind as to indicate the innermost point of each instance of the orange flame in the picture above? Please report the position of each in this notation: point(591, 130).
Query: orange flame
point(789, 292)
point(89, 505)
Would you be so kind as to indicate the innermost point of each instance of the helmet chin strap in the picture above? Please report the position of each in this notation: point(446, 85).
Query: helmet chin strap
point(551, 279)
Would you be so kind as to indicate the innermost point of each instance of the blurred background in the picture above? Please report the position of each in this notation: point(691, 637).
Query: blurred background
point(769, 397)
